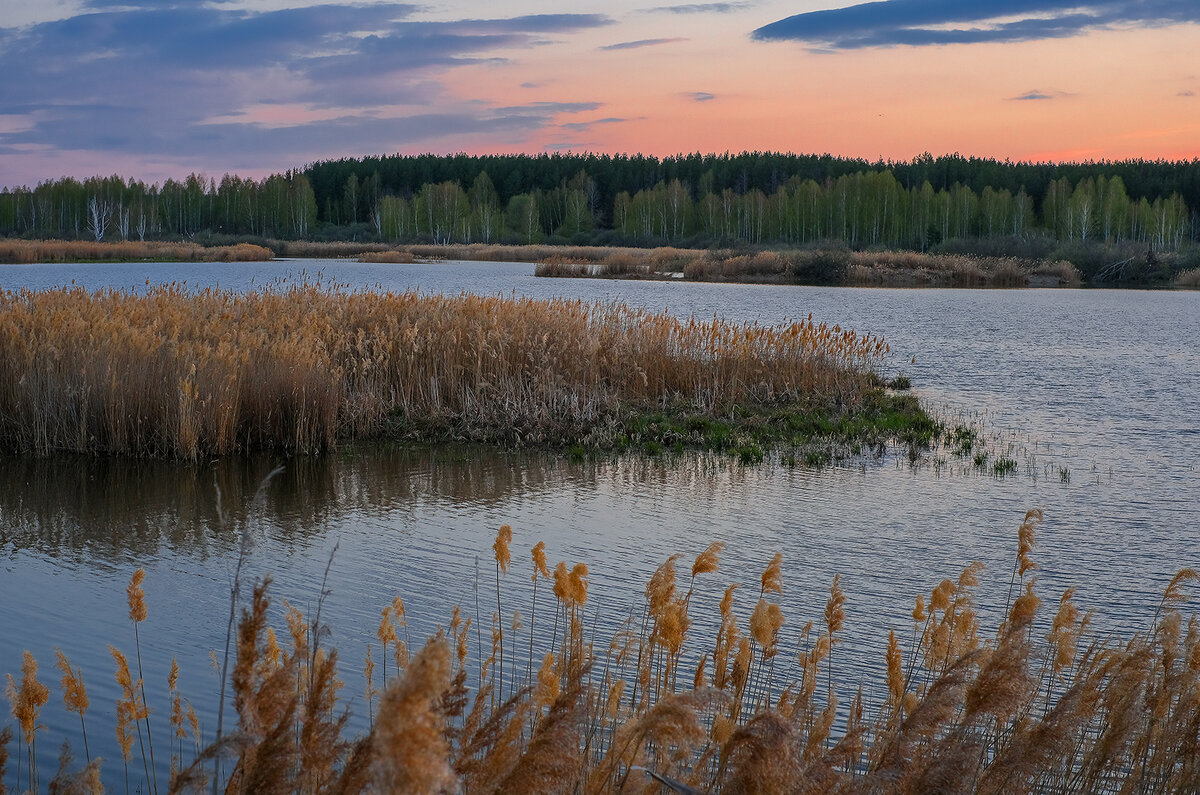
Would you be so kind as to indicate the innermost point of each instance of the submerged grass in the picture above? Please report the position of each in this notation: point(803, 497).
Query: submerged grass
point(1038, 704)
point(176, 372)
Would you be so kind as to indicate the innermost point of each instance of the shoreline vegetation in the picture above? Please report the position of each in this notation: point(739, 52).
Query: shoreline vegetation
point(176, 372)
point(688, 696)
point(810, 265)
point(28, 252)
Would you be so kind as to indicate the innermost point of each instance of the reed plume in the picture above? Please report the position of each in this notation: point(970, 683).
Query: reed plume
point(503, 557)
point(131, 710)
point(75, 697)
point(136, 596)
point(411, 754)
point(26, 703)
point(772, 576)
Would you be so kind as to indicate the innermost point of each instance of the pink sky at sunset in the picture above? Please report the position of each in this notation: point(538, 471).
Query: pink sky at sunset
point(157, 89)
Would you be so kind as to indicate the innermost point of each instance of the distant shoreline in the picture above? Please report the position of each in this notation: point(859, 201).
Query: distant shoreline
point(832, 265)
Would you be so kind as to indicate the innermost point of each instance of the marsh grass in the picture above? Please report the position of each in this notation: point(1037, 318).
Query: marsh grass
point(387, 257)
point(1036, 704)
point(1189, 279)
point(813, 265)
point(30, 251)
point(176, 372)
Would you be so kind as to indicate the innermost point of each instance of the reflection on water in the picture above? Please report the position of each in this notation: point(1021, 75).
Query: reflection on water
point(121, 510)
point(1101, 384)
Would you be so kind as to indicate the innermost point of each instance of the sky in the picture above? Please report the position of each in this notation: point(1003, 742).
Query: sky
point(153, 89)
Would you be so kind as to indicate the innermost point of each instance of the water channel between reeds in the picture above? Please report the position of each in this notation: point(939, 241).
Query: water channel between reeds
point(1093, 393)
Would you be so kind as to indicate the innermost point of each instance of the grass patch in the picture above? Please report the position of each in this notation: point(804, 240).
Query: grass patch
point(748, 432)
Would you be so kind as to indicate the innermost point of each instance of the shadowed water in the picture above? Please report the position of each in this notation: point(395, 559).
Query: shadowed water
point(1093, 393)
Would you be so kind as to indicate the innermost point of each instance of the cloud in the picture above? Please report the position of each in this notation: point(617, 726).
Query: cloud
point(179, 80)
point(551, 108)
point(1034, 95)
point(583, 126)
point(927, 22)
point(1037, 95)
point(633, 45)
point(700, 8)
point(1186, 93)
point(701, 96)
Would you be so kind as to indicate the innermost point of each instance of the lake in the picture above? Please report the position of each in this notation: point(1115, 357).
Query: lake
point(1093, 393)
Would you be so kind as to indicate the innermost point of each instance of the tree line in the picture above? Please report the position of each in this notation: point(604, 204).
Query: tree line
point(751, 198)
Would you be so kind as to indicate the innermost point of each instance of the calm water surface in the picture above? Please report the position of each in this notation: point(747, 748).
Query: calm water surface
point(1101, 384)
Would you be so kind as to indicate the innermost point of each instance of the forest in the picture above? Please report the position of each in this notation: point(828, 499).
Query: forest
point(748, 199)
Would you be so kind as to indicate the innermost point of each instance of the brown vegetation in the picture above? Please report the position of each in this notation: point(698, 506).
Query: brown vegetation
point(325, 250)
point(814, 265)
point(1189, 279)
point(1036, 706)
point(388, 257)
point(913, 269)
point(180, 373)
point(30, 251)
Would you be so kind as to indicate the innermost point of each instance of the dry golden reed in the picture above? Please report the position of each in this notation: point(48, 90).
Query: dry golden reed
point(958, 709)
point(178, 372)
point(30, 251)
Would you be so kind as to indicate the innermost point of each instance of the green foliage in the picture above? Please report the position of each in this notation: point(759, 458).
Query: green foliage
point(1090, 214)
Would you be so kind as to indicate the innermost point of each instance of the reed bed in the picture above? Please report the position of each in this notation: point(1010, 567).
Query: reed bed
point(388, 257)
point(1037, 704)
point(814, 265)
point(1189, 279)
point(30, 251)
point(177, 372)
point(893, 268)
point(326, 249)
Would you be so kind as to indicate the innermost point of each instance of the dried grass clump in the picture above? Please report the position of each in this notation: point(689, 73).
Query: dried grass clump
point(1189, 279)
point(326, 250)
point(563, 267)
point(1062, 272)
point(176, 372)
point(623, 263)
point(388, 257)
point(30, 251)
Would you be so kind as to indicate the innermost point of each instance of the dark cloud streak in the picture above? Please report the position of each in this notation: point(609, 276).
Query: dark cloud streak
point(928, 22)
point(634, 45)
point(699, 8)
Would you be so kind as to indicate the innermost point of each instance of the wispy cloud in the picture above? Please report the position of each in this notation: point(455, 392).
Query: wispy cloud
point(1187, 93)
point(633, 45)
point(701, 96)
point(926, 22)
point(1037, 95)
point(700, 8)
point(548, 108)
point(582, 126)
